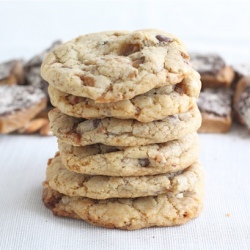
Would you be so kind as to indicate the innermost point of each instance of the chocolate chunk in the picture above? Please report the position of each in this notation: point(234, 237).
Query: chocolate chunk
point(179, 88)
point(173, 174)
point(96, 122)
point(165, 39)
point(144, 162)
point(130, 49)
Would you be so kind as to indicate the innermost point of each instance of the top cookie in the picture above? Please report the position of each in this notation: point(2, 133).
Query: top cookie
point(116, 65)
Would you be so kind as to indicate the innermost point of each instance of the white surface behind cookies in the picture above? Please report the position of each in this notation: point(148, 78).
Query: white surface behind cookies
point(215, 26)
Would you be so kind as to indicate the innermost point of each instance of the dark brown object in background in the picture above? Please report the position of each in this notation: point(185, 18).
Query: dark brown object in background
point(12, 72)
point(215, 124)
point(241, 70)
point(215, 108)
point(28, 116)
point(213, 70)
point(32, 69)
point(18, 105)
point(241, 101)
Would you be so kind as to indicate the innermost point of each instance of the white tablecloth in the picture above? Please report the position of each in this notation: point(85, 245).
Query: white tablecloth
point(26, 224)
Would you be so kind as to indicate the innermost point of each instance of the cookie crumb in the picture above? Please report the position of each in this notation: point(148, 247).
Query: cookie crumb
point(228, 214)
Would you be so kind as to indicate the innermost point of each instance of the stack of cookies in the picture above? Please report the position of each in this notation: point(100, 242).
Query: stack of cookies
point(126, 120)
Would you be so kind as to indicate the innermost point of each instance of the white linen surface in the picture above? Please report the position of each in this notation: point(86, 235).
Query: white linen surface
point(26, 224)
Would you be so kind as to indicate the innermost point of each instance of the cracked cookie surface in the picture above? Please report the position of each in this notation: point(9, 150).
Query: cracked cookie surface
point(116, 65)
point(153, 105)
point(117, 132)
point(104, 187)
point(100, 159)
point(129, 213)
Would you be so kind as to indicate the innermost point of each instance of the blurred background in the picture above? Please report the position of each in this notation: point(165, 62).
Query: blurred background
point(28, 27)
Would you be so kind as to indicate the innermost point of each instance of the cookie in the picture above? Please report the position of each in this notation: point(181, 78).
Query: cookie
point(241, 101)
point(117, 132)
point(99, 159)
point(105, 187)
point(12, 72)
point(129, 213)
point(215, 107)
point(116, 65)
point(213, 70)
point(153, 105)
point(18, 105)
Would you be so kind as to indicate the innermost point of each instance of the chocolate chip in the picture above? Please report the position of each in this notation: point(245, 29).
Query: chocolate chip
point(180, 88)
point(144, 162)
point(165, 39)
point(66, 67)
point(138, 61)
point(96, 122)
point(130, 49)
